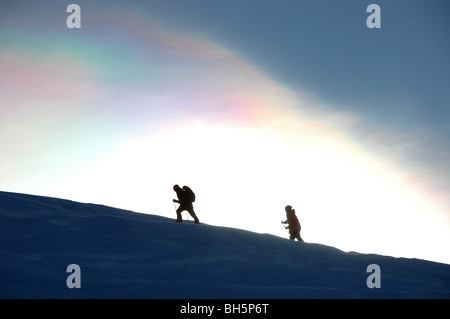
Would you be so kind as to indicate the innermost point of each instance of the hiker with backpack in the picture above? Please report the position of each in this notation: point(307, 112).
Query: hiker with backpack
point(185, 198)
point(293, 224)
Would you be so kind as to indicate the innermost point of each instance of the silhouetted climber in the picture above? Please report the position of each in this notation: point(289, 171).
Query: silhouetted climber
point(294, 225)
point(185, 198)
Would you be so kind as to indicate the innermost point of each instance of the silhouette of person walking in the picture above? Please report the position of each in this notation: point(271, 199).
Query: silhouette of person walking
point(294, 225)
point(185, 198)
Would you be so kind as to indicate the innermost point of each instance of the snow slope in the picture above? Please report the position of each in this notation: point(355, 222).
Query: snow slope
point(123, 254)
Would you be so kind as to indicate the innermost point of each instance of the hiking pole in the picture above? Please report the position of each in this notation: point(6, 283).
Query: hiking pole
point(175, 206)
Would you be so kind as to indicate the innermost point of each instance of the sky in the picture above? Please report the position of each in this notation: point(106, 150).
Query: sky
point(253, 104)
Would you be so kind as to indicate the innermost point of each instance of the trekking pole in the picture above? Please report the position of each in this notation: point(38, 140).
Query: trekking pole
point(175, 207)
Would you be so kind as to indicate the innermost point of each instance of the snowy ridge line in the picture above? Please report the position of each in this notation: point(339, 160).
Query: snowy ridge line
point(118, 254)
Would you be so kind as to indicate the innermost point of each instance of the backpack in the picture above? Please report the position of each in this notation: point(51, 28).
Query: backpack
point(190, 195)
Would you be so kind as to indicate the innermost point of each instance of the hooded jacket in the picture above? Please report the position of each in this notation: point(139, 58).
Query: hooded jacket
point(294, 224)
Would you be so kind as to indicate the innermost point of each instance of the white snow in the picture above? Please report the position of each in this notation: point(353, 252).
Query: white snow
point(124, 254)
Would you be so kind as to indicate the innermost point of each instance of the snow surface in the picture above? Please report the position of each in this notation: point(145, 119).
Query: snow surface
point(124, 254)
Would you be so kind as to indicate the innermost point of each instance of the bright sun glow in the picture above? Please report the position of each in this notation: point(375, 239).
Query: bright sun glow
point(244, 176)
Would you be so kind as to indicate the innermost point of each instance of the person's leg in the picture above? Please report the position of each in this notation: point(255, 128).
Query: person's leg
point(192, 213)
point(179, 218)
